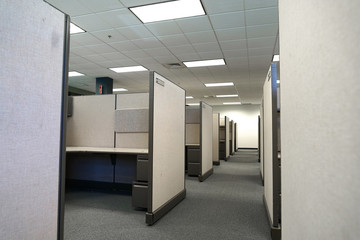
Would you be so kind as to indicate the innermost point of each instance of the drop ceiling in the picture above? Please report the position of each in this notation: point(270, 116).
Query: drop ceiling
point(243, 32)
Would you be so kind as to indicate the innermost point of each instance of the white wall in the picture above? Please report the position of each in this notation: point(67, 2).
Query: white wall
point(320, 111)
point(246, 117)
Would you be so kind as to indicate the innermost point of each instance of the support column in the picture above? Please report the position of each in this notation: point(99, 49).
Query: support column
point(105, 84)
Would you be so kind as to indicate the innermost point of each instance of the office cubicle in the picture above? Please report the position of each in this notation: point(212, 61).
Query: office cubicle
point(232, 137)
point(271, 158)
point(34, 52)
point(235, 137)
point(199, 143)
point(224, 139)
point(216, 138)
point(261, 152)
point(119, 140)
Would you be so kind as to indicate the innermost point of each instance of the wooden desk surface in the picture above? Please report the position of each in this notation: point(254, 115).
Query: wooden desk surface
point(108, 150)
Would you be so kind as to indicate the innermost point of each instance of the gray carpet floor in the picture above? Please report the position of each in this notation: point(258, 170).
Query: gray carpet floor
point(228, 205)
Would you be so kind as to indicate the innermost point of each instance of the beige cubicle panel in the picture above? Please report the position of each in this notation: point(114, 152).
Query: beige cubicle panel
point(92, 122)
point(227, 138)
point(34, 65)
point(132, 120)
point(166, 147)
point(206, 142)
point(192, 120)
point(262, 141)
point(320, 112)
point(216, 138)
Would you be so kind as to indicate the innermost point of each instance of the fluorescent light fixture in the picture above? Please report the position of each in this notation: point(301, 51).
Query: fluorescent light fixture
point(119, 90)
point(231, 95)
point(189, 97)
point(219, 84)
point(232, 103)
point(276, 58)
point(128, 69)
point(75, 74)
point(168, 10)
point(193, 104)
point(205, 63)
point(75, 29)
point(278, 81)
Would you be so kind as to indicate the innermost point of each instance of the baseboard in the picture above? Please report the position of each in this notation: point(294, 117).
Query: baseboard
point(152, 217)
point(217, 163)
point(274, 231)
point(206, 175)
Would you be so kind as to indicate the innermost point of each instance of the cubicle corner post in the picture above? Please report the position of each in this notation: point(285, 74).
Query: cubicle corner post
point(62, 161)
point(151, 150)
point(276, 167)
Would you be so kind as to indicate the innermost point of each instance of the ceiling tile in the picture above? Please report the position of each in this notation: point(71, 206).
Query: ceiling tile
point(84, 39)
point(235, 53)
point(70, 7)
point(201, 37)
point(109, 35)
point(194, 24)
point(174, 40)
point(210, 55)
point(90, 22)
point(163, 51)
point(164, 28)
point(114, 56)
point(135, 32)
point(251, 4)
point(82, 51)
point(102, 48)
point(216, 6)
point(146, 61)
point(132, 3)
point(124, 46)
point(166, 59)
point(146, 43)
point(135, 54)
point(207, 47)
point(185, 49)
point(262, 16)
point(95, 58)
point(119, 18)
point(100, 6)
point(268, 30)
point(231, 34)
point(260, 51)
point(188, 57)
point(228, 20)
point(233, 45)
point(266, 42)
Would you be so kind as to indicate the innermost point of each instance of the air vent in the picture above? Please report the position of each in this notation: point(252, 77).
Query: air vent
point(174, 65)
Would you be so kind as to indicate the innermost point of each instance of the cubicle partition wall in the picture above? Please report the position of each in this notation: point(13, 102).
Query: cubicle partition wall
point(199, 141)
point(118, 141)
point(224, 138)
point(271, 159)
point(235, 137)
point(262, 141)
point(206, 143)
point(227, 138)
point(216, 138)
point(34, 66)
point(231, 137)
point(166, 147)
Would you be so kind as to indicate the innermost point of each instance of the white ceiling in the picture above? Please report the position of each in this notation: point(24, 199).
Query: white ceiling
point(243, 32)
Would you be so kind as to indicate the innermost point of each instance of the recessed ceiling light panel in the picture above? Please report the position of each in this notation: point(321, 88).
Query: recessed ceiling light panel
point(205, 63)
point(119, 90)
point(168, 10)
point(128, 69)
point(232, 103)
point(219, 84)
point(189, 97)
point(193, 104)
point(75, 74)
point(224, 96)
point(75, 29)
point(276, 58)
